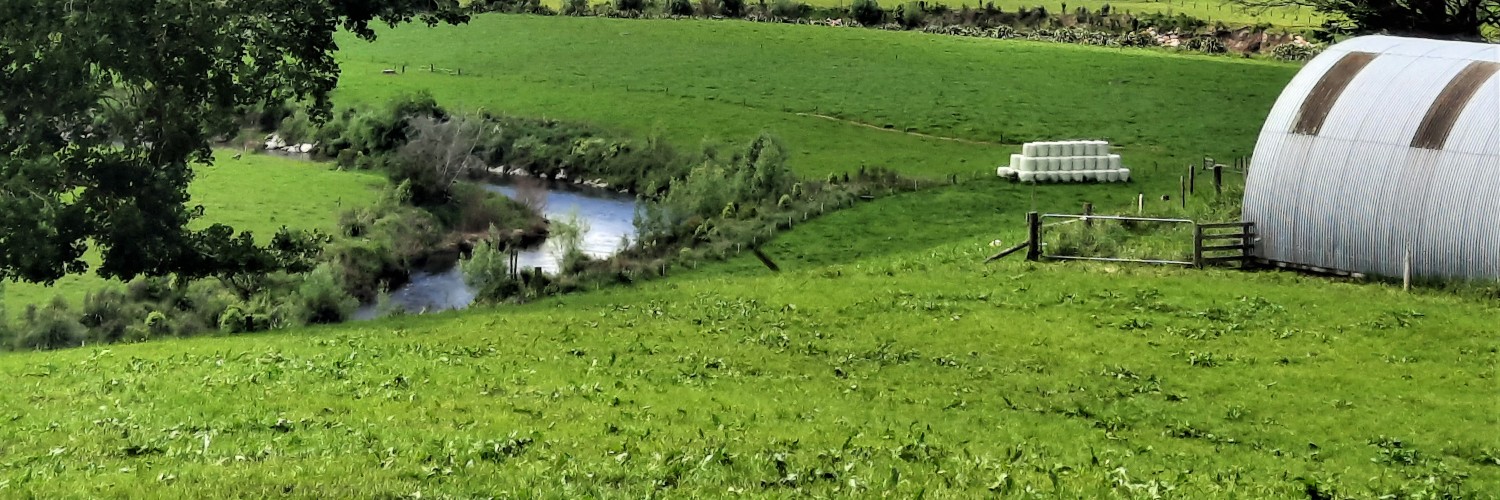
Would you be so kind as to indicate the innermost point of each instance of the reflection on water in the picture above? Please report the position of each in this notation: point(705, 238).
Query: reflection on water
point(610, 219)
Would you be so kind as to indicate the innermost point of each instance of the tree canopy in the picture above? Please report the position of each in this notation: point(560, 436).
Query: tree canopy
point(105, 105)
point(1459, 19)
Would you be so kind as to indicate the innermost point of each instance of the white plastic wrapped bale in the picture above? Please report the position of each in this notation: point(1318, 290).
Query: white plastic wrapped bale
point(1111, 175)
point(1027, 176)
point(1124, 175)
point(1015, 162)
point(1005, 172)
point(1028, 149)
point(1057, 149)
point(1114, 162)
point(1101, 148)
point(1029, 164)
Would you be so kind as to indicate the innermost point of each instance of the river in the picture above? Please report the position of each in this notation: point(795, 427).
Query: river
point(610, 217)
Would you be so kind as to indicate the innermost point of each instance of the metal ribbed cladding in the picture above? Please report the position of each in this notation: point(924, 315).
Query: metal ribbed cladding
point(1354, 194)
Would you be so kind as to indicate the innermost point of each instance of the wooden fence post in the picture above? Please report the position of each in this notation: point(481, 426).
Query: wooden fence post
point(1182, 190)
point(1034, 233)
point(1198, 246)
point(1218, 180)
point(1192, 180)
point(1088, 210)
point(1140, 204)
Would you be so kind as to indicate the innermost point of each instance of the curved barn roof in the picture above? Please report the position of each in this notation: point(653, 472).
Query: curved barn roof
point(1378, 146)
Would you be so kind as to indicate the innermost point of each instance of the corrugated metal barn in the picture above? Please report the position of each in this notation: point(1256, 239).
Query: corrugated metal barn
point(1379, 146)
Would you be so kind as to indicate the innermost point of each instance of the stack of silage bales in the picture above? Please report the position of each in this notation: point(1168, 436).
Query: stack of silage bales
point(1066, 161)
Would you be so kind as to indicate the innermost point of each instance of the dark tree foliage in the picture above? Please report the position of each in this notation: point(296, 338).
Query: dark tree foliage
point(1459, 19)
point(105, 105)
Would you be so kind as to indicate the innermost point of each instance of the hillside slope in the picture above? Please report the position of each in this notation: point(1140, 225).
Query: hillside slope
point(906, 368)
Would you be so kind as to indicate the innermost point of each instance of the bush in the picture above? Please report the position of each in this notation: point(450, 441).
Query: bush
point(566, 242)
point(513, 7)
point(157, 323)
point(439, 153)
point(679, 7)
point(708, 8)
point(911, 15)
point(488, 272)
point(1293, 52)
point(361, 267)
point(789, 9)
point(150, 289)
point(630, 5)
point(575, 7)
point(867, 12)
point(320, 299)
point(477, 209)
point(50, 327)
point(109, 315)
point(233, 320)
point(732, 8)
point(202, 306)
point(1206, 44)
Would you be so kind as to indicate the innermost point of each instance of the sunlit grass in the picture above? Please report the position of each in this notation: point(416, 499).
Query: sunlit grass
point(904, 366)
point(256, 193)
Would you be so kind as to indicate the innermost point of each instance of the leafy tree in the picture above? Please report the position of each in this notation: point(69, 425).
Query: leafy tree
point(105, 105)
point(488, 271)
point(680, 7)
point(732, 8)
point(867, 12)
point(439, 153)
point(1461, 19)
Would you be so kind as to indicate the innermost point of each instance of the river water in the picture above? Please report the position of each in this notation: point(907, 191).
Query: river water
point(610, 218)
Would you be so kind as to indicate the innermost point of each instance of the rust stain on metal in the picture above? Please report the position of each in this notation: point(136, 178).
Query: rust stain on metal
point(1443, 114)
point(1320, 101)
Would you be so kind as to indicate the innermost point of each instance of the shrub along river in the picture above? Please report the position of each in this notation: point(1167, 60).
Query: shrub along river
point(610, 221)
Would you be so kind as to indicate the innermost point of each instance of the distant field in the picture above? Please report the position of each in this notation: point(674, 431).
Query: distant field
point(256, 193)
point(1208, 10)
point(691, 80)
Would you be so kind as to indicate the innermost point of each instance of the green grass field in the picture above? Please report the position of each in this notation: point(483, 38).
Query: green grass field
point(694, 79)
point(884, 359)
point(256, 193)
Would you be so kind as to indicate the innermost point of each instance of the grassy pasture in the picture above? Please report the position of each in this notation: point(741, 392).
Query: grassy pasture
point(883, 359)
point(689, 80)
point(257, 193)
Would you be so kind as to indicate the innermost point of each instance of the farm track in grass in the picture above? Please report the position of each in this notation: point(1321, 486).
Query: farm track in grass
point(256, 193)
point(691, 80)
point(914, 134)
point(883, 359)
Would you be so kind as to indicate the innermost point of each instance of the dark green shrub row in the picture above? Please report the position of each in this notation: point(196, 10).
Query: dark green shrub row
point(1103, 26)
point(149, 308)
